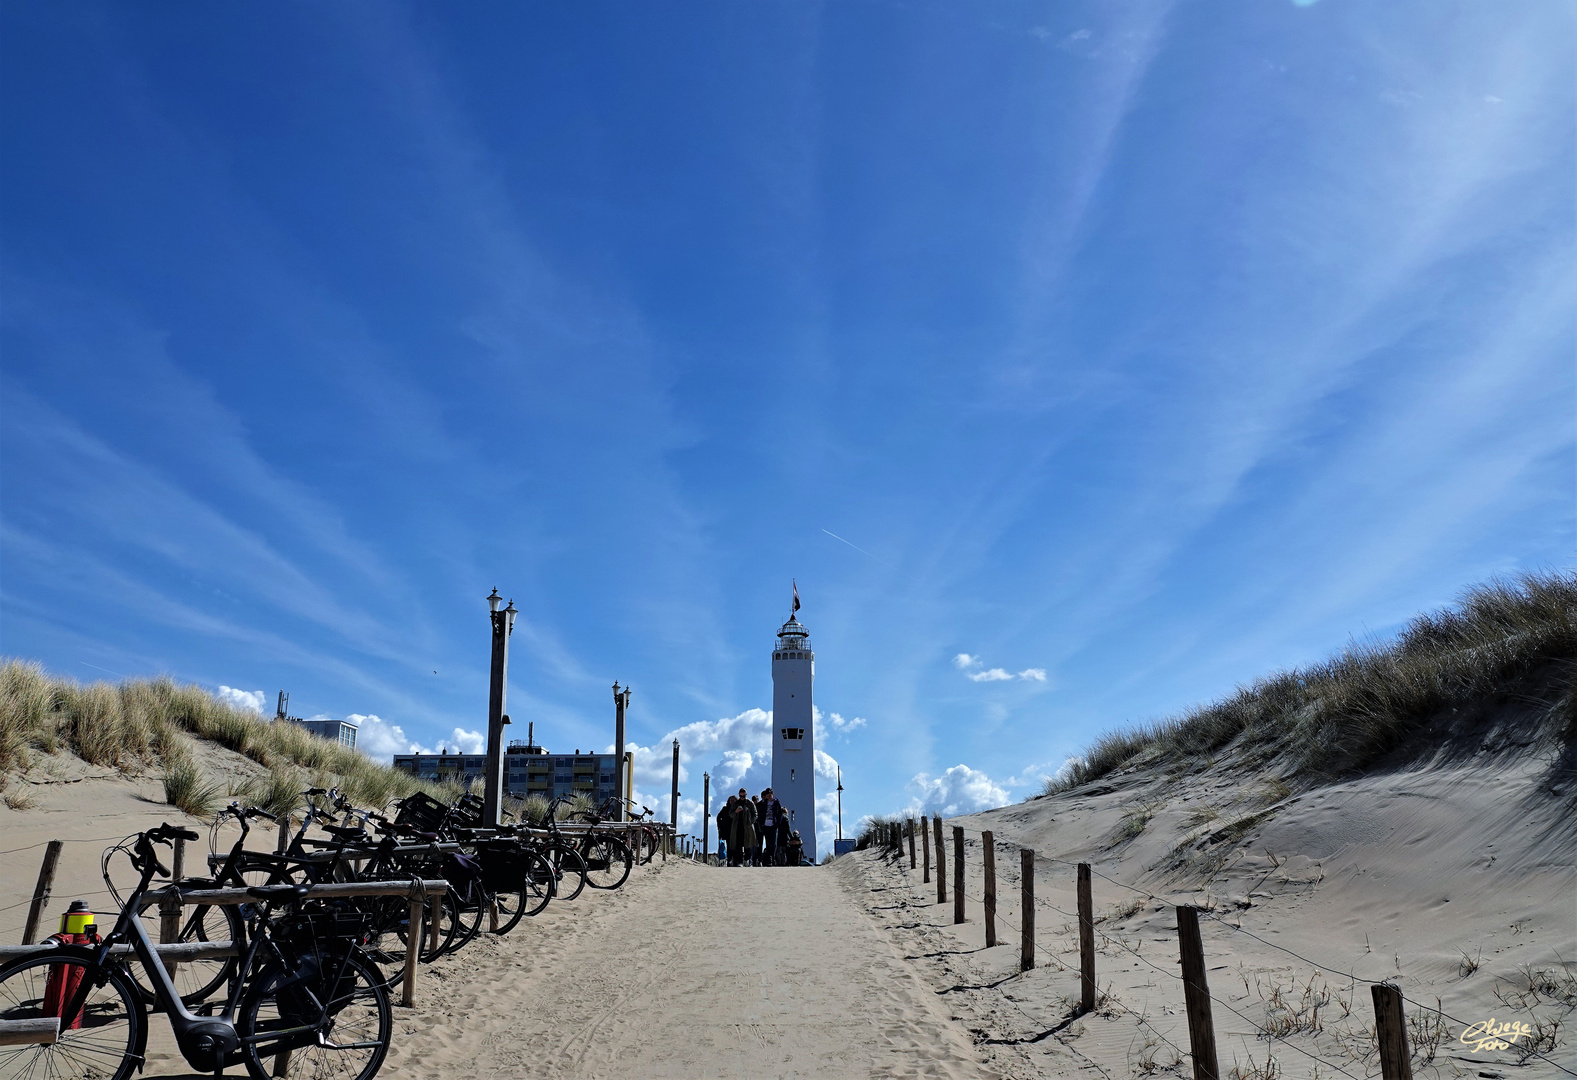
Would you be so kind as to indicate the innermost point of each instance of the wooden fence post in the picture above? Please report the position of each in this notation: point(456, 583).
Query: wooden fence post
point(413, 948)
point(1390, 1032)
point(1086, 939)
point(941, 862)
point(988, 866)
point(46, 882)
point(1196, 994)
point(170, 923)
point(925, 847)
point(1026, 957)
point(435, 905)
point(178, 861)
point(958, 873)
point(910, 824)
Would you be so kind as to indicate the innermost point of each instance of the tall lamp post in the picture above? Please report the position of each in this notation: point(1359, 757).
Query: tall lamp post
point(621, 702)
point(673, 802)
point(493, 783)
point(840, 802)
point(706, 816)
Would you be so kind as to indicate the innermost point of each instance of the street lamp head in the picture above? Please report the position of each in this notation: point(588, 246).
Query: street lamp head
point(509, 617)
point(493, 600)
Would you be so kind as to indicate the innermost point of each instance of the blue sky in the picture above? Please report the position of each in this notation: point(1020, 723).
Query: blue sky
point(1128, 351)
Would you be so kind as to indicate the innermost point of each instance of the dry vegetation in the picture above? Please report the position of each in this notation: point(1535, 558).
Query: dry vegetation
point(1514, 639)
point(874, 829)
point(145, 724)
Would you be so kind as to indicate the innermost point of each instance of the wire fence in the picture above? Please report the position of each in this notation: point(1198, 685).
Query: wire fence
point(936, 864)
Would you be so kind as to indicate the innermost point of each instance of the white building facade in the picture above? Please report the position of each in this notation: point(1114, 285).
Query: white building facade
point(794, 732)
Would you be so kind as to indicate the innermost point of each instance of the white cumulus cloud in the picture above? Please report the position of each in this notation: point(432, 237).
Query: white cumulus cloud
point(963, 661)
point(1037, 674)
point(737, 752)
point(842, 726)
point(381, 740)
point(467, 742)
point(250, 700)
point(959, 790)
point(826, 765)
point(995, 674)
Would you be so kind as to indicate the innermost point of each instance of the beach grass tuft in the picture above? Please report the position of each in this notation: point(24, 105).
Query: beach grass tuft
point(186, 787)
point(1369, 700)
point(140, 723)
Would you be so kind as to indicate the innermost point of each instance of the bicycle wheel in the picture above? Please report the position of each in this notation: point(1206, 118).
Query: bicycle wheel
point(198, 979)
point(528, 897)
point(469, 914)
point(107, 1041)
point(608, 860)
point(351, 1040)
point(569, 871)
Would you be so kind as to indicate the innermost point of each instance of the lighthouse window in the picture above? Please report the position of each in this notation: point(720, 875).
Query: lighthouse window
point(793, 733)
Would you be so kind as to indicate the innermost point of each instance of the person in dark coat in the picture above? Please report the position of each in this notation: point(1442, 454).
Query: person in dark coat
point(742, 839)
point(796, 849)
point(755, 852)
point(725, 825)
point(774, 828)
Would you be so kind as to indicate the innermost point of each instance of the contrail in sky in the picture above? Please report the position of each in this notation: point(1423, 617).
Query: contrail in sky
point(856, 547)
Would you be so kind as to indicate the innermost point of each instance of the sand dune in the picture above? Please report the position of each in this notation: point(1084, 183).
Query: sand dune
point(1456, 883)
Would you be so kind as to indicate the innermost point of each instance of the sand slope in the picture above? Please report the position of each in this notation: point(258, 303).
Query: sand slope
point(1456, 882)
point(689, 971)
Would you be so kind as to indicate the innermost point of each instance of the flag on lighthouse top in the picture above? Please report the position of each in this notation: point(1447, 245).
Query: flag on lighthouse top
point(796, 599)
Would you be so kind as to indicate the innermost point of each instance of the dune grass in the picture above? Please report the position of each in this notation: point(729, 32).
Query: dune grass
point(879, 831)
point(144, 723)
point(1368, 700)
point(185, 785)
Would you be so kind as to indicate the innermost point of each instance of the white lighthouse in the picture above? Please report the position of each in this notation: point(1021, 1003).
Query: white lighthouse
point(794, 732)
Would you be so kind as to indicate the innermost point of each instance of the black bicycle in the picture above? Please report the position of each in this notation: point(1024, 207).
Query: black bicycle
point(308, 1002)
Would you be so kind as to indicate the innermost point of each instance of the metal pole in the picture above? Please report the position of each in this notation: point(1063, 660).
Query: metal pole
point(621, 701)
point(493, 782)
point(840, 802)
point(673, 799)
point(706, 815)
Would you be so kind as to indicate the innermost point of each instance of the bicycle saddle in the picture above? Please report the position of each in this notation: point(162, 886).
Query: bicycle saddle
point(343, 831)
point(278, 892)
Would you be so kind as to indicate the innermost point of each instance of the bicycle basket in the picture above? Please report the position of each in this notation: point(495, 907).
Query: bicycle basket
point(467, 813)
point(421, 813)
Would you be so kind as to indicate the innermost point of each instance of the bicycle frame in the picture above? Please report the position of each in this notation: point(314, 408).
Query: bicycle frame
point(207, 1043)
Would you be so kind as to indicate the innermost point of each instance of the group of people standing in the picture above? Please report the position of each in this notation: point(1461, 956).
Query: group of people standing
point(756, 831)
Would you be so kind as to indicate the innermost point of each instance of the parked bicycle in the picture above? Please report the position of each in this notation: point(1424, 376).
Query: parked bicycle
point(307, 1003)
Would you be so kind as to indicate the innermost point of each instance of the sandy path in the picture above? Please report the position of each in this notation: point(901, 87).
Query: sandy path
point(688, 972)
